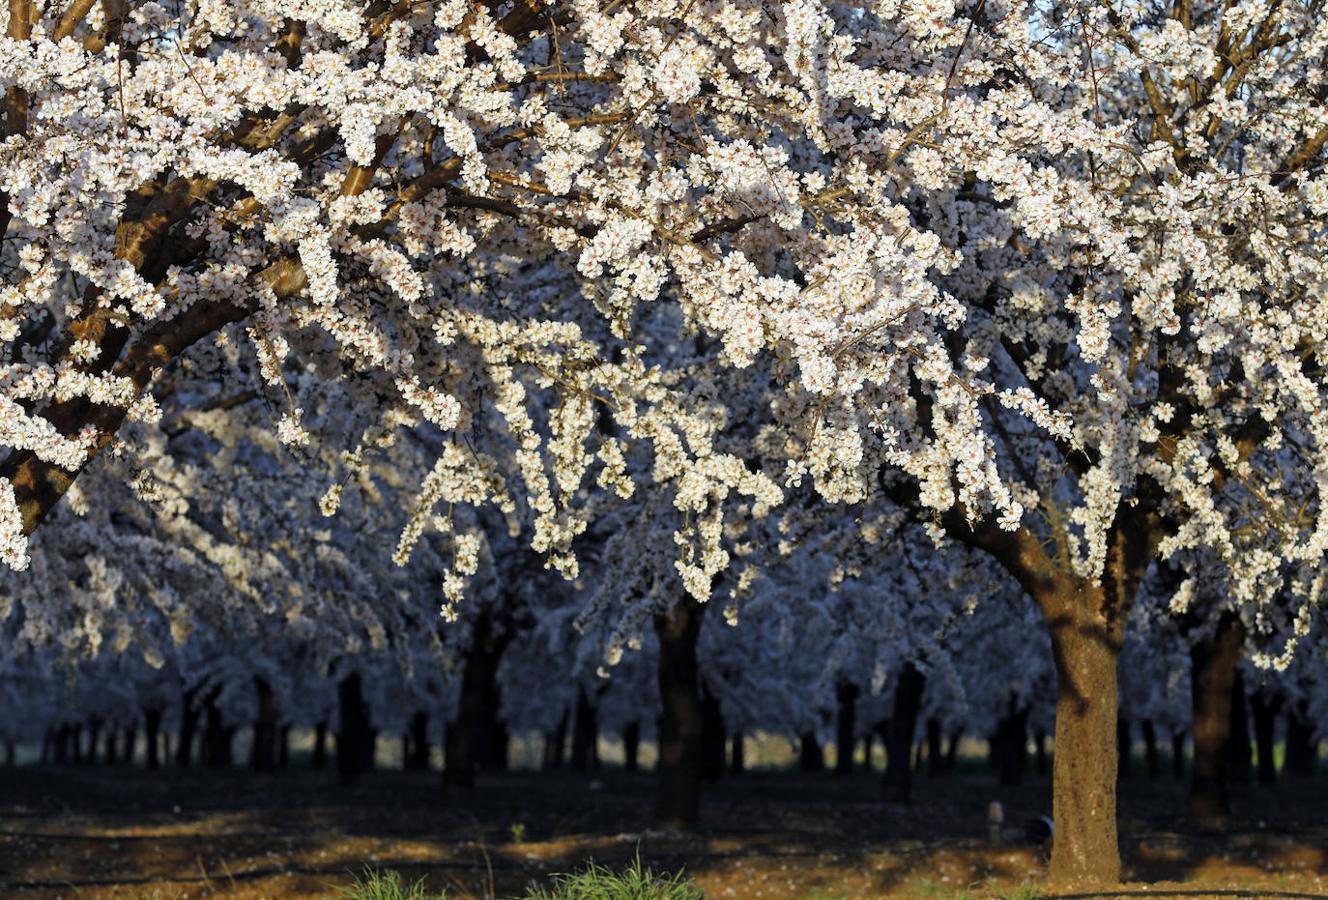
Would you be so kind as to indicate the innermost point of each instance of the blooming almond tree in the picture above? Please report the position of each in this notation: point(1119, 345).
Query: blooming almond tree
point(1051, 276)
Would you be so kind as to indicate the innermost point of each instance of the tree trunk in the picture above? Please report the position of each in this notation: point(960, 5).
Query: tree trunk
point(934, 753)
point(111, 752)
point(952, 750)
point(1124, 748)
point(60, 754)
point(1010, 747)
point(1266, 705)
point(319, 760)
point(216, 735)
point(472, 739)
point(810, 756)
point(355, 744)
point(418, 760)
point(1040, 750)
point(283, 747)
point(94, 738)
point(1150, 748)
point(737, 755)
point(585, 733)
point(11, 753)
point(188, 727)
point(554, 744)
point(631, 738)
point(678, 805)
point(899, 735)
point(1212, 682)
point(712, 736)
point(1242, 755)
point(1085, 649)
point(1178, 753)
point(846, 726)
point(1302, 748)
point(263, 753)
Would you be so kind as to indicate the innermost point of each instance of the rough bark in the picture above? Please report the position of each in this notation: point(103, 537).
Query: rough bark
point(846, 726)
point(898, 778)
point(263, 753)
point(678, 805)
point(1266, 705)
point(1212, 679)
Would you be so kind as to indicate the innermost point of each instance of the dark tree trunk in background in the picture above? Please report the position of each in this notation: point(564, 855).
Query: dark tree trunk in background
point(935, 755)
point(952, 750)
point(631, 738)
point(1124, 748)
point(1302, 749)
point(471, 741)
point(737, 754)
point(130, 745)
point(188, 727)
point(1242, 755)
point(319, 760)
point(810, 756)
point(1150, 748)
point(678, 805)
point(1212, 680)
point(1265, 705)
point(48, 746)
point(283, 747)
point(216, 734)
point(554, 744)
point(11, 754)
point(712, 736)
point(846, 726)
point(418, 761)
point(61, 750)
point(89, 757)
point(263, 753)
point(585, 733)
point(1178, 753)
point(1040, 751)
point(899, 734)
point(111, 756)
point(355, 741)
point(1010, 744)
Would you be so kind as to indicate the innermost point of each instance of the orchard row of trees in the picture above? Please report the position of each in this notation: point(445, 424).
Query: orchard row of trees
point(863, 322)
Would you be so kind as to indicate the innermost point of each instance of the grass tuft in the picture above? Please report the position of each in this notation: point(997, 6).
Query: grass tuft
point(636, 882)
point(375, 885)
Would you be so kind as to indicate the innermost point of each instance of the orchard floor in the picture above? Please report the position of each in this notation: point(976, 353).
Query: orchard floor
point(85, 832)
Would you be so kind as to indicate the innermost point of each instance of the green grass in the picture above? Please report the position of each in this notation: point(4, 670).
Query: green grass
point(636, 882)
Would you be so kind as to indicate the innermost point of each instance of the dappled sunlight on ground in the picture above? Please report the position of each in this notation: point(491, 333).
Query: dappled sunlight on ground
point(97, 833)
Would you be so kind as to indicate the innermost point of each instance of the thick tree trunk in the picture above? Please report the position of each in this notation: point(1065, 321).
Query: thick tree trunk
point(1124, 748)
point(1302, 748)
point(1212, 680)
point(737, 754)
point(1266, 705)
point(846, 726)
point(1085, 649)
point(679, 802)
point(899, 736)
point(712, 736)
point(355, 743)
point(1150, 748)
point(1242, 755)
point(1178, 753)
point(263, 753)
point(585, 733)
point(631, 738)
point(188, 727)
point(319, 760)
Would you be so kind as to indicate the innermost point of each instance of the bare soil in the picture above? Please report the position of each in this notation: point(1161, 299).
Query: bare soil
point(96, 832)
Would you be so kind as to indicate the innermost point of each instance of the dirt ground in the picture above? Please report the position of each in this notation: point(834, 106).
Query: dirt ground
point(84, 832)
